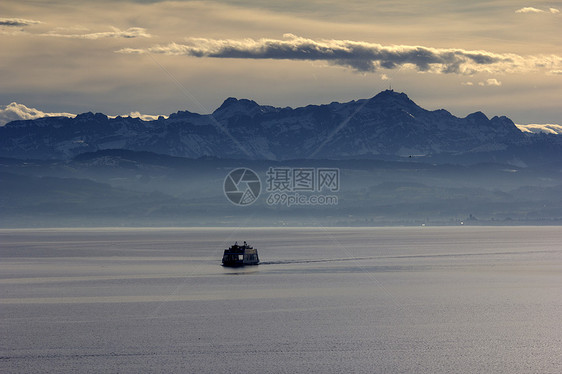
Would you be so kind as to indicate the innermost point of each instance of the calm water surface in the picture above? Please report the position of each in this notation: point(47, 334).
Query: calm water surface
point(334, 300)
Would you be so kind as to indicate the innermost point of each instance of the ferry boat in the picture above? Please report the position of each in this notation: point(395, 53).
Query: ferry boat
point(240, 255)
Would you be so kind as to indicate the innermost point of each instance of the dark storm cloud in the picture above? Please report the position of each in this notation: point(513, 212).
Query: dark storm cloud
point(17, 22)
point(359, 56)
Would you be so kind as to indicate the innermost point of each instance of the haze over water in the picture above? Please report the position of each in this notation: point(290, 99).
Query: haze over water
point(326, 300)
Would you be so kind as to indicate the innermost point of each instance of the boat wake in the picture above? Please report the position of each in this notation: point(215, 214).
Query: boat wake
point(405, 256)
point(310, 261)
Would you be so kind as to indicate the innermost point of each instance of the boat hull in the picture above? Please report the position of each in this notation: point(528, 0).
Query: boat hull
point(236, 264)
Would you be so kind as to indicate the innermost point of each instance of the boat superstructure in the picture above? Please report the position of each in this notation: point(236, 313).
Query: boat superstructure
point(240, 255)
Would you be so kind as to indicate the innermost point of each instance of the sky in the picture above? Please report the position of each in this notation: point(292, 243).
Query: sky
point(501, 57)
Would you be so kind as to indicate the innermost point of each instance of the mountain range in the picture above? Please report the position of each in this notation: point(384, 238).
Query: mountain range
point(398, 164)
point(386, 126)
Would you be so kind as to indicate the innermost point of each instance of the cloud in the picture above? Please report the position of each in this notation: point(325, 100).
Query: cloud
point(541, 128)
point(131, 32)
point(536, 10)
point(15, 111)
point(359, 56)
point(529, 10)
point(487, 82)
point(17, 22)
point(490, 82)
point(144, 117)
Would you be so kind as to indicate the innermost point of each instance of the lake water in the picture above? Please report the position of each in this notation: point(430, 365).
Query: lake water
point(324, 300)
